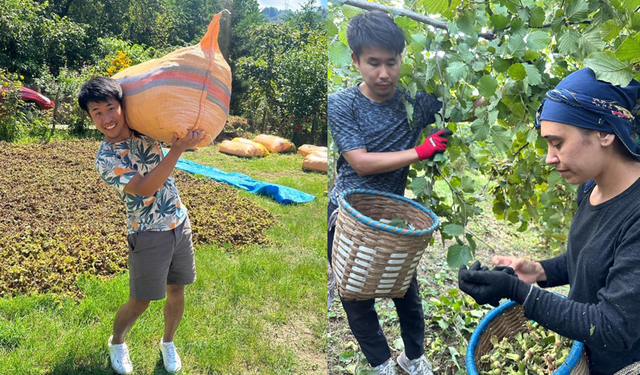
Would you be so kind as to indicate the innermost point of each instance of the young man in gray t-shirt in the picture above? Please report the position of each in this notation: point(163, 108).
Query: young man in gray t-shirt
point(369, 125)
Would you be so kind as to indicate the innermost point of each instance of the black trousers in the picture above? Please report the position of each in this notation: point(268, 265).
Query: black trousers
point(363, 319)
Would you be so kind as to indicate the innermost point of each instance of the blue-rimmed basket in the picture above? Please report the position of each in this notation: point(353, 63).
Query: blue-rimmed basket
point(371, 258)
point(505, 321)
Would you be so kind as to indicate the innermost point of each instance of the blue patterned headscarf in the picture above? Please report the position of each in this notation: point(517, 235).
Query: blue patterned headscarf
point(581, 100)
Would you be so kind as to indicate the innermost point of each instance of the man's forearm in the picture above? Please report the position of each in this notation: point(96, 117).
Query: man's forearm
point(368, 163)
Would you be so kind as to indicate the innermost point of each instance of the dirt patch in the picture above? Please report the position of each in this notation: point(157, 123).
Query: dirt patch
point(297, 335)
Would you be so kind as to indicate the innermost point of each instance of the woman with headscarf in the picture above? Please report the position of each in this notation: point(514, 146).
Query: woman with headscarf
point(591, 130)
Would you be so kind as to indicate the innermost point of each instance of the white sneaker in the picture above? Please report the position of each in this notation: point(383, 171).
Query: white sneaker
point(418, 366)
point(170, 357)
point(120, 361)
point(387, 368)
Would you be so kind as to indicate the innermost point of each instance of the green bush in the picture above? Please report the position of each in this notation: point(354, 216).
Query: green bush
point(11, 118)
point(31, 37)
point(64, 89)
point(283, 78)
point(113, 55)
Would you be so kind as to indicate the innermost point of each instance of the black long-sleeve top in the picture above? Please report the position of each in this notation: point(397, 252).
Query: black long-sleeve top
point(602, 266)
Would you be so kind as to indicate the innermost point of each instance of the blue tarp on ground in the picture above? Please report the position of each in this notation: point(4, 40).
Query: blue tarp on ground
point(282, 194)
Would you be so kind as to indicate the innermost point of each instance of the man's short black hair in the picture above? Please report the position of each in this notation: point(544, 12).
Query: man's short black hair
point(374, 29)
point(99, 89)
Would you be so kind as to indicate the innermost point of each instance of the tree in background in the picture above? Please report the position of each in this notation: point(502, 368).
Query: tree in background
point(190, 19)
point(304, 88)
point(58, 44)
point(245, 14)
point(57, 33)
point(32, 39)
point(309, 17)
point(272, 14)
point(285, 76)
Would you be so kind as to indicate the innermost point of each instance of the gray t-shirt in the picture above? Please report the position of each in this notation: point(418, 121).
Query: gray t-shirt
point(357, 122)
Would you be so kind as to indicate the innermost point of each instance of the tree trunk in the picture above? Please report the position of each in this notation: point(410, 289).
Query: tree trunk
point(264, 119)
point(224, 36)
point(324, 136)
point(314, 129)
point(56, 105)
point(65, 10)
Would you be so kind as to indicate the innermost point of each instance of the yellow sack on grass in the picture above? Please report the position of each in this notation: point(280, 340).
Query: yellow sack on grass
point(246, 150)
point(187, 89)
point(274, 144)
point(315, 162)
point(262, 151)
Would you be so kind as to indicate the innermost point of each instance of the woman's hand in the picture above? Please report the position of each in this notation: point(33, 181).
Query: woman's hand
point(490, 286)
point(527, 270)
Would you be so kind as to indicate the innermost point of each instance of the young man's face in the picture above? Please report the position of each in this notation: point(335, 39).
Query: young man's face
point(380, 69)
point(108, 118)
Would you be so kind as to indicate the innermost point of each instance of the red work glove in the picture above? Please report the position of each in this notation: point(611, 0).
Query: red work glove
point(434, 144)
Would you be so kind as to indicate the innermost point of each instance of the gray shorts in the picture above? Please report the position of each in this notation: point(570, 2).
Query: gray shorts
point(158, 259)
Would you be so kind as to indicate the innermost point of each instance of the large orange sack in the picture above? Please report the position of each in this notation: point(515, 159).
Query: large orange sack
point(187, 89)
point(262, 151)
point(307, 149)
point(274, 144)
point(315, 162)
point(246, 150)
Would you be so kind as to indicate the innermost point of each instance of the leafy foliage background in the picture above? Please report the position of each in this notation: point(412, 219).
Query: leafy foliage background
point(278, 67)
point(510, 52)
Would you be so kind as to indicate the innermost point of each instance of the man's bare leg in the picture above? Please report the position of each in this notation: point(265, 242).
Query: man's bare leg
point(126, 316)
point(173, 310)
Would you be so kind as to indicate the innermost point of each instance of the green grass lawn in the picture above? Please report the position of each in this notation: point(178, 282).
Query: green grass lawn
point(252, 310)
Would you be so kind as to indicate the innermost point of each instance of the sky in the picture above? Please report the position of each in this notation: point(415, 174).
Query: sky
point(290, 4)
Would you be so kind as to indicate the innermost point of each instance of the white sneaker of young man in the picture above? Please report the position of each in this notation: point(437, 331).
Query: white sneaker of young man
point(119, 355)
point(387, 368)
point(170, 357)
point(418, 366)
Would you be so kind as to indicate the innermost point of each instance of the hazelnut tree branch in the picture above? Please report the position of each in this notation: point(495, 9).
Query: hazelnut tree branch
point(363, 4)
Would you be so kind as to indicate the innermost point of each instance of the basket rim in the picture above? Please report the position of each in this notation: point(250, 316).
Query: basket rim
point(574, 357)
point(342, 201)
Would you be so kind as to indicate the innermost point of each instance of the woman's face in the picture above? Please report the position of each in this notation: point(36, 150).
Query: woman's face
point(577, 156)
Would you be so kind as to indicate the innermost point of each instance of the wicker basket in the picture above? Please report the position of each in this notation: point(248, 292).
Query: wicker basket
point(505, 321)
point(372, 259)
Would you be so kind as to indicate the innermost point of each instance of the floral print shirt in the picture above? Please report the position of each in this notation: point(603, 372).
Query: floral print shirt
point(118, 162)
